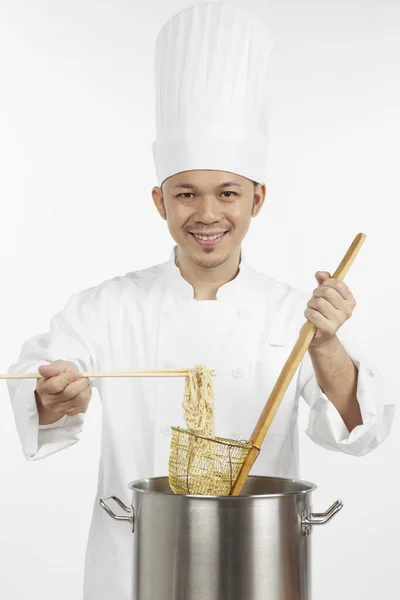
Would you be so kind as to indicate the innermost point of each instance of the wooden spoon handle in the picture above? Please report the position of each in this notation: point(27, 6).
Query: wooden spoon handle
point(307, 333)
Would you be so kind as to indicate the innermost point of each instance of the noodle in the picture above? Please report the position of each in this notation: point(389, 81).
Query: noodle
point(198, 402)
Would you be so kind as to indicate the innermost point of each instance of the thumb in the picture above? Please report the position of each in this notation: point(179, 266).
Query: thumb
point(320, 276)
point(57, 367)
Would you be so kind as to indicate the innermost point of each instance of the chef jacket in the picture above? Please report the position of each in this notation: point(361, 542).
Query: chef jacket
point(149, 319)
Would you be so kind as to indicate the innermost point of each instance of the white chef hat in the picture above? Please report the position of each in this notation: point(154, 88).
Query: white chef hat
point(211, 92)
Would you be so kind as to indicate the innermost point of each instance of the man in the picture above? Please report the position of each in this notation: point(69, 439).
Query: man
point(205, 305)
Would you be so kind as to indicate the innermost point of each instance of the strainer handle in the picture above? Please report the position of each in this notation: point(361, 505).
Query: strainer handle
point(307, 333)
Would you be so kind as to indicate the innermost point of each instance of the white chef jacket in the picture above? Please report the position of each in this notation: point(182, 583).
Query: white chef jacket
point(149, 320)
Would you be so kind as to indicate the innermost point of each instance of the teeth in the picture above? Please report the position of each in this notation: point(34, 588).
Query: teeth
point(207, 238)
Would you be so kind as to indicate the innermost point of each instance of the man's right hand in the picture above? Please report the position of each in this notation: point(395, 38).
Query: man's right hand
point(61, 391)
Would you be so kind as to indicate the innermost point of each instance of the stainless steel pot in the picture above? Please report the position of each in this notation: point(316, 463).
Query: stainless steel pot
point(255, 546)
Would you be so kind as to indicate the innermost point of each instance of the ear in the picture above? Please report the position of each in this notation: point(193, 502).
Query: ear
point(259, 197)
point(158, 200)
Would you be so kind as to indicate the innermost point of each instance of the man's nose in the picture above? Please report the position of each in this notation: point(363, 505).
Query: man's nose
point(207, 209)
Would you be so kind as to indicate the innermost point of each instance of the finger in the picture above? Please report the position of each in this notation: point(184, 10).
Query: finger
point(56, 368)
point(58, 383)
point(77, 405)
point(325, 308)
point(59, 402)
point(320, 322)
point(321, 276)
point(72, 390)
point(323, 273)
point(340, 287)
point(331, 295)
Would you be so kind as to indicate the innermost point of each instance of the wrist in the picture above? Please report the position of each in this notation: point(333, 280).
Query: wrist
point(326, 349)
point(46, 415)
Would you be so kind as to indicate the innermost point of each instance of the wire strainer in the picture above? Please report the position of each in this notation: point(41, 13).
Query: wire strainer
point(202, 465)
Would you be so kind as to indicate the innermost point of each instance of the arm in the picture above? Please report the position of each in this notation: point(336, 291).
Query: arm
point(337, 377)
point(352, 408)
point(71, 334)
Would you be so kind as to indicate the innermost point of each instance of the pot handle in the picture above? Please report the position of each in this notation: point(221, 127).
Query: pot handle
point(309, 518)
point(112, 514)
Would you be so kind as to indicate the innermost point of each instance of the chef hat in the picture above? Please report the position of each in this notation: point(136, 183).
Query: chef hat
point(211, 92)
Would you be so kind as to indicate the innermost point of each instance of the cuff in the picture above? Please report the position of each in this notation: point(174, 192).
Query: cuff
point(327, 428)
point(39, 441)
point(59, 423)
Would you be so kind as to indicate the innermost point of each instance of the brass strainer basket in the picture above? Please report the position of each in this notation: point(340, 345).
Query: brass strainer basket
point(202, 465)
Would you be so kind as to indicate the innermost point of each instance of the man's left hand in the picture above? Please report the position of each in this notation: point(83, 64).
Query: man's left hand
point(332, 303)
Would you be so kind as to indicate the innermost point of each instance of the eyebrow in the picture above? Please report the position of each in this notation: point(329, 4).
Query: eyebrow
point(189, 186)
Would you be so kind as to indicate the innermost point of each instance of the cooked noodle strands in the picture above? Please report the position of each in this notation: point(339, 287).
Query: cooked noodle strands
point(198, 401)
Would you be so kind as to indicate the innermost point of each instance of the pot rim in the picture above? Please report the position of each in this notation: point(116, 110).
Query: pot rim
point(311, 488)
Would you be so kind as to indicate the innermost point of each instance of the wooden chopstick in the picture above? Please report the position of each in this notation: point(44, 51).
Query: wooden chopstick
point(148, 373)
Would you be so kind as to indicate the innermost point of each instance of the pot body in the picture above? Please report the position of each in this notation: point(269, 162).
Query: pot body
point(255, 546)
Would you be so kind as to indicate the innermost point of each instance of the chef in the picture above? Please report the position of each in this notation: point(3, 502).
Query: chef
point(205, 304)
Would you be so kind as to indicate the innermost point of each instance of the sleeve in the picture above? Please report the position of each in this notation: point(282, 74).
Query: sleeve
point(325, 425)
point(72, 338)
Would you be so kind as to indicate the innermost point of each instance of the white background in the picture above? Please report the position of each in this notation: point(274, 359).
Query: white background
point(76, 123)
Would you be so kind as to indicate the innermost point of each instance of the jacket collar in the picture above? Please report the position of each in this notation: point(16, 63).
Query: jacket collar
point(179, 290)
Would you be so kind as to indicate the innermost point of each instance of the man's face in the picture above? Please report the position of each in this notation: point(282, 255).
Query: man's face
point(208, 212)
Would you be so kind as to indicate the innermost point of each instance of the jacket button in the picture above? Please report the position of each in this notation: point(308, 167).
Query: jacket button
point(166, 430)
point(237, 373)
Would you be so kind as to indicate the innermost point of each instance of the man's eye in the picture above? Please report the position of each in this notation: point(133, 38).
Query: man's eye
point(186, 194)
